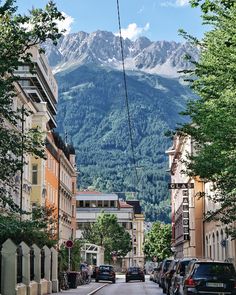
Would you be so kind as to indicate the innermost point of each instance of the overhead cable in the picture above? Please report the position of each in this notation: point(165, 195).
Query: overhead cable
point(126, 94)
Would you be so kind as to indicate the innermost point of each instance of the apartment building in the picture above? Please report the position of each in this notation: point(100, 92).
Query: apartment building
point(52, 180)
point(41, 89)
point(186, 207)
point(195, 232)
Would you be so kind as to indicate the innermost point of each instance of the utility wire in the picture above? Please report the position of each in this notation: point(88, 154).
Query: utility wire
point(126, 94)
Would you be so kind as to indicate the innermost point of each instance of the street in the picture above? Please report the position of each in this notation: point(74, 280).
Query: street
point(119, 288)
point(131, 288)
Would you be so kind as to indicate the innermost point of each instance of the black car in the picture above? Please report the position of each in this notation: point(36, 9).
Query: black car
point(134, 273)
point(176, 287)
point(106, 273)
point(168, 276)
point(210, 277)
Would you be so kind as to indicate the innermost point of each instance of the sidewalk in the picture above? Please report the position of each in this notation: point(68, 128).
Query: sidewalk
point(84, 289)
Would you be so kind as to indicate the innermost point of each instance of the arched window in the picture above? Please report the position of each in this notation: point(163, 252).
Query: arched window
point(206, 247)
point(213, 247)
point(222, 248)
point(217, 246)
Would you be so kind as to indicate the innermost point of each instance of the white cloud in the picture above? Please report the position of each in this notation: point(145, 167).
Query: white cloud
point(175, 3)
point(66, 23)
point(182, 2)
point(133, 31)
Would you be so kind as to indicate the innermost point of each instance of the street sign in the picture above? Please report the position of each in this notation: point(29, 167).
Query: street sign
point(69, 244)
point(180, 185)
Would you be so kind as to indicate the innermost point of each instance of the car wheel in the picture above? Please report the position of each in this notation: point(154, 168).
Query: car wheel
point(127, 281)
point(96, 280)
point(113, 282)
point(143, 280)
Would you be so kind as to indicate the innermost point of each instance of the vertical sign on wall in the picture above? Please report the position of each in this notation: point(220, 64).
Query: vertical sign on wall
point(186, 214)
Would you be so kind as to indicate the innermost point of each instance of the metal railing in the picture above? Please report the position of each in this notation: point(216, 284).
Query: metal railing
point(32, 263)
point(42, 263)
point(19, 260)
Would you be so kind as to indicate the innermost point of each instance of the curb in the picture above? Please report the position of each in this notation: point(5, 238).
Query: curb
point(94, 291)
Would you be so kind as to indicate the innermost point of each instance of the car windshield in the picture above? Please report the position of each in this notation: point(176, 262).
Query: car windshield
point(214, 269)
point(105, 267)
point(183, 265)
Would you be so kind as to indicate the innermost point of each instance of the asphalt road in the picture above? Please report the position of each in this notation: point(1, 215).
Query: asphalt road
point(131, 288)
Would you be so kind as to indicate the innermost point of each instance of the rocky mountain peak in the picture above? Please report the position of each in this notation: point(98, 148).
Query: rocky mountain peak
point(103, 48)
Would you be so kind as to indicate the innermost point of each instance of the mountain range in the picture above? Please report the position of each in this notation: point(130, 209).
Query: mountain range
point(92, 111)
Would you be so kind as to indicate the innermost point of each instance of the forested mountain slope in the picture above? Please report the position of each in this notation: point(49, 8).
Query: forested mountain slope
point(92, 112)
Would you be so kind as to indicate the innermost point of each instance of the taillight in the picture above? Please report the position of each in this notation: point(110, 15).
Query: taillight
point(190, 282)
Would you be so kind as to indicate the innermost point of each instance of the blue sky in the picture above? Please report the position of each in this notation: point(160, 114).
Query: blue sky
point(155, 19)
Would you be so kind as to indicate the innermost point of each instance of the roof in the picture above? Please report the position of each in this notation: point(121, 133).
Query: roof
point(123, 204)
point(136, 205)
point(97, 196)
point(86, 192)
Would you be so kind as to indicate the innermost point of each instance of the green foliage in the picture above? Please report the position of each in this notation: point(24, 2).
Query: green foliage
point(92, 111)
point(158, 241)
point(107, 232)
point(18, 34)
point(32, 230)
point(213, 117)
point(75, 256)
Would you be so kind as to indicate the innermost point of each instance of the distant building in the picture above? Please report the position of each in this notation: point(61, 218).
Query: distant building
point(138, 232)
point(90, 204)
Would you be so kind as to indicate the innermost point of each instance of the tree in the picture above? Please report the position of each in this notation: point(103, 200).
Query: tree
point(18, 34)
point(158, 241)
point(213, 120)
point(107, 232)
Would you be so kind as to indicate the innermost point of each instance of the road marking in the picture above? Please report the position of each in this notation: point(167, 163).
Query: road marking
point(94, 291)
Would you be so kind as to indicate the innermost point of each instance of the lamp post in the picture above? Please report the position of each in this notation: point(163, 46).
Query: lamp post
point(22, 159)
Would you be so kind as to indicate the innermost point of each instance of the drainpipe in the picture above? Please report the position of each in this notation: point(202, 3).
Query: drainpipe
point(58, 197)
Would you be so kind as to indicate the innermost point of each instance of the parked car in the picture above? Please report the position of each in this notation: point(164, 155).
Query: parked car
point(158, 273)
point(134, 273)
point(106, 273)
point(168, 276)
point(155, 274)
point(177, 278)
point(163, 270)
point(94, 272)
point(209, 277)
point(151, 275)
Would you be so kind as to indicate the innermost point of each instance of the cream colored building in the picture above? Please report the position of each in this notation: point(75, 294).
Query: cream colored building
point(217, 243)
point(138, 233)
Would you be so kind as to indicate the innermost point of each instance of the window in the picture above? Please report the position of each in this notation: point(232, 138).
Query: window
point(99, 203)
point(81, 203)
point(87, 204)
point(112, 203)
point(34, 174)
point(105, 203)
